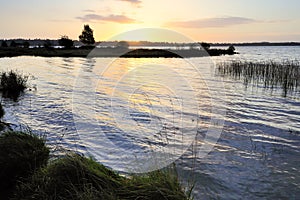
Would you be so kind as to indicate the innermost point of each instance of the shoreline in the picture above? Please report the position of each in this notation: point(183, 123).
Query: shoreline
point(111, 52)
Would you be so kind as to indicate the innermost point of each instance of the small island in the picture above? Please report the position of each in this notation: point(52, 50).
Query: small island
point(111, 52)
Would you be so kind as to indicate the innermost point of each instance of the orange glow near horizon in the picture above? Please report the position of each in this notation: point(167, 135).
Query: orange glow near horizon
point(211, 21)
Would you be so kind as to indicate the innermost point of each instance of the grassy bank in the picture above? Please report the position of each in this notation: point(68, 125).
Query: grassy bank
point(27, 173)
point(110, 52)
point(285, 74)
point(20, 156)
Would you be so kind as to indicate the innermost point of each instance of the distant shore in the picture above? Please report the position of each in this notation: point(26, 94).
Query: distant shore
point(112, 52)
point(54, 42)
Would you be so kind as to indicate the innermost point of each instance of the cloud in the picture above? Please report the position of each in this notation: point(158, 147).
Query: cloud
point(278, 21)
point(59, 20)
point(133, 1)
point(122, 19)
point(213, 22)
point(89, 10)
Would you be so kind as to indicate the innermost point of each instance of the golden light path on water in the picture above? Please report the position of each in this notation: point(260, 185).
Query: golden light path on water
point(143, 100)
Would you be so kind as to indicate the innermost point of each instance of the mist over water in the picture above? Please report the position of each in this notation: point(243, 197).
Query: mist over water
point(256, 156)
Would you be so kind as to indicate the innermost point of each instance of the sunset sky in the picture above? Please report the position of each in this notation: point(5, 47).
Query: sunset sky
point(200, 20)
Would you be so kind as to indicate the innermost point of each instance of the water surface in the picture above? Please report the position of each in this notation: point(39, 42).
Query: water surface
point(256, 156)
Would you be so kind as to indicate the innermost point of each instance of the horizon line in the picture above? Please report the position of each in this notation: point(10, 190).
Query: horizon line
point(140, 41)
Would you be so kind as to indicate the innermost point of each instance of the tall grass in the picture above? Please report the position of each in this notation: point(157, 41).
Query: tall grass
point(26, 173)
point(270, 74)
point(71, 177)
point(77, 177)
point(160, 184)
point(12, 83)
point(21, 153)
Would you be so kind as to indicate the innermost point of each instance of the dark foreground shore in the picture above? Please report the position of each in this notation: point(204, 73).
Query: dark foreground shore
point(28, 171)
point(111, 52)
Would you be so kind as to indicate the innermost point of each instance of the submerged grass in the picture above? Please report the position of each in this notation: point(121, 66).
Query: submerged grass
point(270, 74)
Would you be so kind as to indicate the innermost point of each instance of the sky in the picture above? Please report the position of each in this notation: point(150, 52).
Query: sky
point(199, 20)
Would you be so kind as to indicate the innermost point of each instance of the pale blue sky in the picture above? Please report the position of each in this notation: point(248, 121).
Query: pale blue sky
point(201, 20)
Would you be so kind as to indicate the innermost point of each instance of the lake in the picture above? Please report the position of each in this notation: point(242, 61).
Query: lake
point(141, 114)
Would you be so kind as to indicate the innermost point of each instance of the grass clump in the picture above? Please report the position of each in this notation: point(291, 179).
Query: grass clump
point(270, 74)
point(71, 177)
point(12, 83)
point(26, 173)
point(21, 154)
point(155, 185)
point(81, 178)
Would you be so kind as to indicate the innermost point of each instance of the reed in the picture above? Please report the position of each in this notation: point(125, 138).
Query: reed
point(270, 74)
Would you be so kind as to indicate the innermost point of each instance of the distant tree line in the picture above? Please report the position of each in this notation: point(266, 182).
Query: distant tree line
point(86, 38)
point(258, 44)
point(12, 43)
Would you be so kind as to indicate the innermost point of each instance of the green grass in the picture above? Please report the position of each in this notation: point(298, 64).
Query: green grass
point(27, 173)
point(20, 155)
point(270, 74)
point(77, 177)
point(71, 177)
point(12, 83)
point(161, 184)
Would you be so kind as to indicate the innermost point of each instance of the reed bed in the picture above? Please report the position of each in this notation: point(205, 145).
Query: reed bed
point(269, 74)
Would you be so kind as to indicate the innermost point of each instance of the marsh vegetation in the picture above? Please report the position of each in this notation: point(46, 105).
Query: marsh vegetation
point(27, 173)
point(269, 74)
point(12, 83)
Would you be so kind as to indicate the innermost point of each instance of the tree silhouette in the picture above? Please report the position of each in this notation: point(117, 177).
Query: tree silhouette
point(86, 36)
point(47, 44)
point(26, 44)
point(13, 44)
point(231, 50)
point(4, 44)
point(123, 44)
point(205, 45)
point(65, 42)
